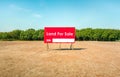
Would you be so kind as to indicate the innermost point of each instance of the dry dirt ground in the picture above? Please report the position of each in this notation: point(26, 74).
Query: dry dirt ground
point(32, 59)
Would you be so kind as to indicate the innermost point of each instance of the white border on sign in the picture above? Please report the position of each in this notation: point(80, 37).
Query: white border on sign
point(63, 40)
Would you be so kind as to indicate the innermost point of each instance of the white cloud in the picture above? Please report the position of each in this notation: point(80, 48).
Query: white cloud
point(17, 8)
point(37, 15)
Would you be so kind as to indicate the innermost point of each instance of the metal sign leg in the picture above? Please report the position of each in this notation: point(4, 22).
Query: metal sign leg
point(71, 46)
point(47, 46)
point(60, 45)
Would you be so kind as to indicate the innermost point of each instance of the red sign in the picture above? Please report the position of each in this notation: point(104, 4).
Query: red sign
point(59, 34)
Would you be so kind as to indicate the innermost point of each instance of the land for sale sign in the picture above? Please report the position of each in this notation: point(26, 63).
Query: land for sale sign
point(59, 34)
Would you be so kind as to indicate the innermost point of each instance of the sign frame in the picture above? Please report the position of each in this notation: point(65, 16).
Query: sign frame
point(59, 34)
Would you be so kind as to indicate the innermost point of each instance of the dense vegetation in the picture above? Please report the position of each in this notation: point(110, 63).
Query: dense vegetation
point(98, 34)
point(82, 34)
point(29, 34)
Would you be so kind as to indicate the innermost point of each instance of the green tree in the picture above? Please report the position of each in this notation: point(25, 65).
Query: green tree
point(15, 34)
point(27, 35)
point(113, 35)
point(4, 36)
point(86, 34)
point(118, 34)
point(97, 34)
point(41, 34)
point(77, 36)
point(36, 35)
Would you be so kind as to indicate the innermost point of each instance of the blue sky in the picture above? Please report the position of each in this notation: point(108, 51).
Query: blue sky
point(24, 14)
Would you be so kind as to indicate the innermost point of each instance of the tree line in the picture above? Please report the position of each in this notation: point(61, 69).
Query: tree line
point(29, 34)
point(98, 34)
point(81, 34)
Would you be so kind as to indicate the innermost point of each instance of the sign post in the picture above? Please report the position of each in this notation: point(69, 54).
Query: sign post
point(59, 35)
point(71, 46)
point(60, 46)
point(47, 46)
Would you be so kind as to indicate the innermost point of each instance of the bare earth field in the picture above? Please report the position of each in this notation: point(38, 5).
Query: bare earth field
point(32, 59)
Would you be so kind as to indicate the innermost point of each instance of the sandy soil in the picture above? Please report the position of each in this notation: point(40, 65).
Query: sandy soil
point(32, 59)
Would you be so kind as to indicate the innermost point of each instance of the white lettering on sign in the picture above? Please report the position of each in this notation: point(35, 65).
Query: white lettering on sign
point(59, 34)
point(51, 34)
point(68, 34)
